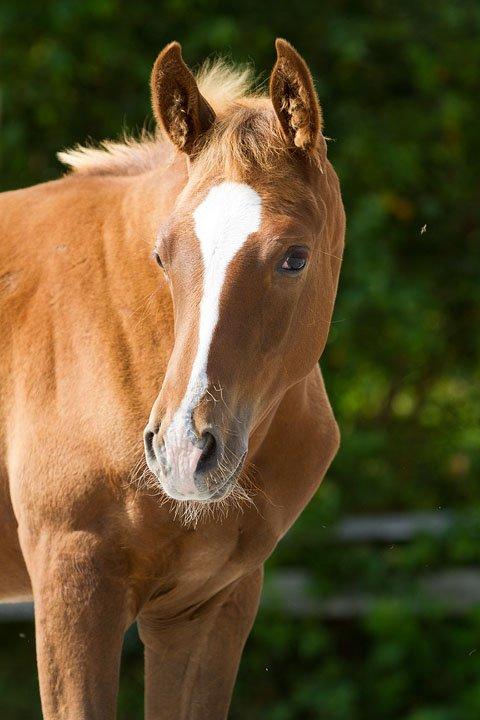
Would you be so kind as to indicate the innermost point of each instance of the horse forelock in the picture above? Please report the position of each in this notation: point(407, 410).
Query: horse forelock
point(221, 83)
point(246, 134)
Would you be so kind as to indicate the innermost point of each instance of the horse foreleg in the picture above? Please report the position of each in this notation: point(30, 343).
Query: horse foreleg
point(191, 665)
point(80, 618)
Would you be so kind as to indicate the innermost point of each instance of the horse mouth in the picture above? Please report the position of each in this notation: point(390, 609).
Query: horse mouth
point(216, 491)
point(222, 491)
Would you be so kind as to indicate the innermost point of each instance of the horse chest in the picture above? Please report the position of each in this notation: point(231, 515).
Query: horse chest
point(190, 565)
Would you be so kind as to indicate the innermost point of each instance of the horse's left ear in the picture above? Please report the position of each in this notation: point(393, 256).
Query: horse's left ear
point(294, 98)
point(179, 108)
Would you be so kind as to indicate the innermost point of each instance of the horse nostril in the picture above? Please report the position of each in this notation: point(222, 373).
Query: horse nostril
point(148, 441)
point(209, 454)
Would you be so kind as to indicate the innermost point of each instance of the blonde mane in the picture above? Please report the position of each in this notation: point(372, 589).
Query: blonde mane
point(222, 84)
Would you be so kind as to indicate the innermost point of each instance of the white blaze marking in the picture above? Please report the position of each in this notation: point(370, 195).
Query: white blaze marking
point(226, 217)
point(223, 222)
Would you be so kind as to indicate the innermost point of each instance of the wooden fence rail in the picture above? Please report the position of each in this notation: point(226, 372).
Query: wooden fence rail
point(455, 590)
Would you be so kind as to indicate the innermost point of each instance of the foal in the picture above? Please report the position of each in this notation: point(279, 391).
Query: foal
point(244, 213)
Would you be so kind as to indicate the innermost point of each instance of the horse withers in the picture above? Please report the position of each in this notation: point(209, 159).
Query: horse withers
point(105, 521)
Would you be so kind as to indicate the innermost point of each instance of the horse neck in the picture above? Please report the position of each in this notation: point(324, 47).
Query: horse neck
point(147, 202)
point(130, 230)
point(137, 297)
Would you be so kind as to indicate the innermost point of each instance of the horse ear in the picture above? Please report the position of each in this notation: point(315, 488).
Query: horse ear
point(294, 98)
point(177, 103)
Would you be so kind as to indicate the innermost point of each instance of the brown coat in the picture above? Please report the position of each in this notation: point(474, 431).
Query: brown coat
point(86, 337)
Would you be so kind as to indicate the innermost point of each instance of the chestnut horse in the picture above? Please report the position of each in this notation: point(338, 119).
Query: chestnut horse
point(243, 210)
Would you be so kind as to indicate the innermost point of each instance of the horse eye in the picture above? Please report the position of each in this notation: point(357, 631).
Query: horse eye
point(157, 259)
point(294, 261)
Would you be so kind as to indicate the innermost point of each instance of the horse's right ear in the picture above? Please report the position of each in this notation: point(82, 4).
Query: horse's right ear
point(179, 108)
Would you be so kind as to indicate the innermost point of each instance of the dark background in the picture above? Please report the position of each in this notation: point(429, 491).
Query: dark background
point(399, 84)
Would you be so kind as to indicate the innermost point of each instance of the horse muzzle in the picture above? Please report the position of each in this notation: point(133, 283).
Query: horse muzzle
point(192, 466)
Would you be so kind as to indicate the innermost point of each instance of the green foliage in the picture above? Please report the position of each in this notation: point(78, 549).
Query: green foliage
point(399, 83)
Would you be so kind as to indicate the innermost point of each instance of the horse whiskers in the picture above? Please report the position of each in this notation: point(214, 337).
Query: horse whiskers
point(220, 391)
point(248, 478)
point(337, 257)
point(191, 513)
point(210, 394)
